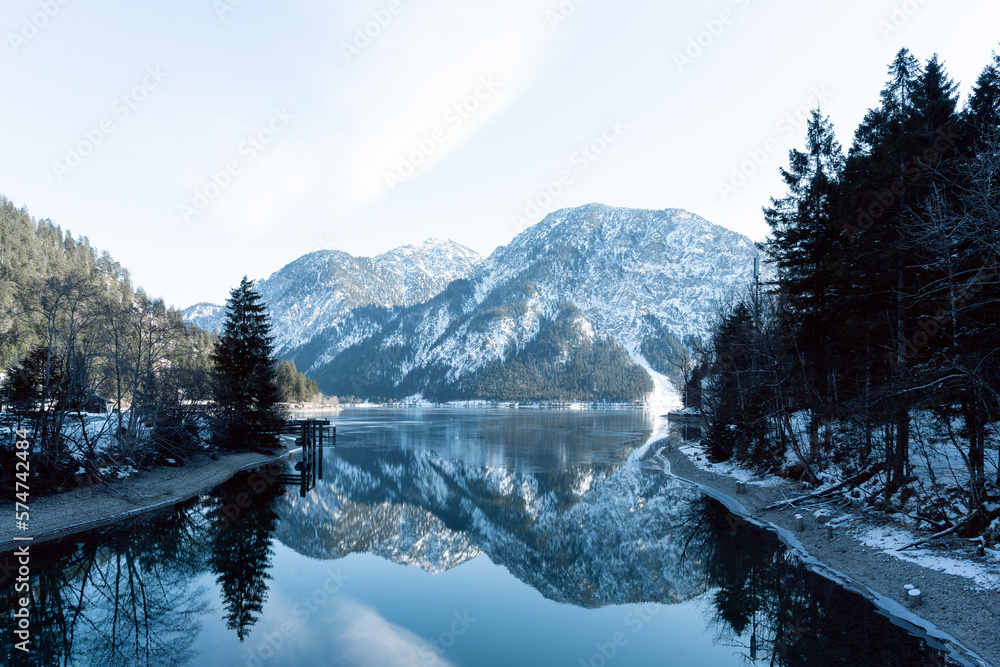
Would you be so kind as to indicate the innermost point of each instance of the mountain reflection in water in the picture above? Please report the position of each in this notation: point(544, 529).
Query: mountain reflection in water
point(552, 498)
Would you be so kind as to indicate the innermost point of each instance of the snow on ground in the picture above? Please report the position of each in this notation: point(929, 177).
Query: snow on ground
point(96, 432)
point(696, 452)
point(985, 572)
point(934, 456)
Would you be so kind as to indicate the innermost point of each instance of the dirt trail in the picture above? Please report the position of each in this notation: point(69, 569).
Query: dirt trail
point(81, 509)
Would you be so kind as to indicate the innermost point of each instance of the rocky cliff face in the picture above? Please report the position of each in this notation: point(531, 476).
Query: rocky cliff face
point(589, 304)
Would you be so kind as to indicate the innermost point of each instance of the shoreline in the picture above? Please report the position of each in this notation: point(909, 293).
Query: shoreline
point(62, 514)
point(954, 611)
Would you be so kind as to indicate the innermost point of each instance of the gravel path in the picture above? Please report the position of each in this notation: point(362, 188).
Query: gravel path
point(951, 603)
point(81, 509)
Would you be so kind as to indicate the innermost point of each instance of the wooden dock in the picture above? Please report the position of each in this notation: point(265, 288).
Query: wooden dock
point(312, 435)
point(686, 418)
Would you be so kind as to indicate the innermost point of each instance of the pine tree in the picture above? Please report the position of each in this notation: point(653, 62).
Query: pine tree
point(241, 551)
point(246, 393)
point(901, 155)
point(804, 245)
point(983, 113)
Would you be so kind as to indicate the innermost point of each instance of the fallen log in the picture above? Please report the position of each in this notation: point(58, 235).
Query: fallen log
point(943, 533)
point(860, 478)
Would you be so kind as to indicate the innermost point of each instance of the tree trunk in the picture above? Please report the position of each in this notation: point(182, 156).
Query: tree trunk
point(975, 427)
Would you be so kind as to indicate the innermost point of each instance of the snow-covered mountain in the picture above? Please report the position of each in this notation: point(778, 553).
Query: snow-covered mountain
point(591, 535)
point(592, 303)
point(567, 294)
point(318, 290)
point(207, 316)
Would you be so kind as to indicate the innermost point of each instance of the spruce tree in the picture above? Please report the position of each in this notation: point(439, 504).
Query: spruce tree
point(805, 245)
point(982, 117)
point(246, 394)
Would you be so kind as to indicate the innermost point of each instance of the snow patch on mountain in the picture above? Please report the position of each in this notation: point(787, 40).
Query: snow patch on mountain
point(309, 296)
point(396, 324)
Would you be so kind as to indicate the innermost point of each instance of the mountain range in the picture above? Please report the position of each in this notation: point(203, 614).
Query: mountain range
point(590, 535)
point(317, 290)
point(592, 303)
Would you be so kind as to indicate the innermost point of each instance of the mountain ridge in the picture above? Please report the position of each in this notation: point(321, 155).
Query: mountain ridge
point(402, 276)
point(592, 303)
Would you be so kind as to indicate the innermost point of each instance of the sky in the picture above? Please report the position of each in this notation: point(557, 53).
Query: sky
point(200, 140)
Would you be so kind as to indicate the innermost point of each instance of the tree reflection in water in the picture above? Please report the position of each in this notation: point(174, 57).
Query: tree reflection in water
point(778, 612)
point(136, 595)
point(244, 520)
point(128, 595)
point(119, 597)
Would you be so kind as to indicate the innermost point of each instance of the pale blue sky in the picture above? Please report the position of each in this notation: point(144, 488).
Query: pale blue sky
point(309, 130)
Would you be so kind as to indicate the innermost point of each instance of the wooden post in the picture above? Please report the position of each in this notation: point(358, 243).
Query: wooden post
point(741, 487)
point(799, 523)
point(829, 532)
point(913, 597)
point(319, 459)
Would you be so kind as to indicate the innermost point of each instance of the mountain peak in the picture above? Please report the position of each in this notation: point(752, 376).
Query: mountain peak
point(434, 246)
point(315, 291)
point(626, 284)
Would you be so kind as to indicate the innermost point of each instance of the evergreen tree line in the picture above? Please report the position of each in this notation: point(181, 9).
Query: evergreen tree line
point(77, 338)
point(560, 364)
point(886, 299)
point(293, 386)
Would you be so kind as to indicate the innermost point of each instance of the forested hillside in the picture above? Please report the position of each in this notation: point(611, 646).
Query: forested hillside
point(886, 307)
point(76, 337)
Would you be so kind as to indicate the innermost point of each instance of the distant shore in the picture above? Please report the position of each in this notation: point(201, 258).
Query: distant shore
point(951, 604)
point(484, 405)
point(58, 515)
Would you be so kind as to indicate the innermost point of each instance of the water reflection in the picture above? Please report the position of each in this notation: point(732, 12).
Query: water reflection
point(131, 595)
point(767, 604)
point(579, 523)
point(121, 597)
point(242, 547)
point(525, 440)
point(591, 536)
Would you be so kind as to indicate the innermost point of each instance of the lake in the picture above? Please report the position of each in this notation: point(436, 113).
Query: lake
point(451, 537)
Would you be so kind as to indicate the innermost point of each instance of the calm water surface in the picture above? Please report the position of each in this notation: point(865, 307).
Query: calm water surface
point(451, 538)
